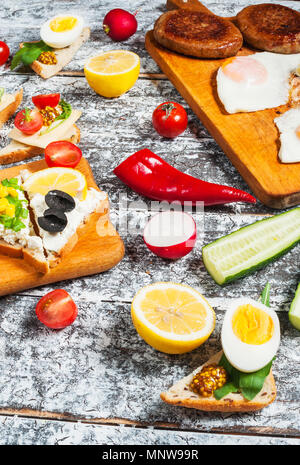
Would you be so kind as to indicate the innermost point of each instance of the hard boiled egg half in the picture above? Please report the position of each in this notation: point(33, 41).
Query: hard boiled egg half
point(250, 335)
point(61, 31)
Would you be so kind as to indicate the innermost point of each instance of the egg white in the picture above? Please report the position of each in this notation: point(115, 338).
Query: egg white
point(289, 142)
point(247, 97)
point(248, 357)
point(61, 39)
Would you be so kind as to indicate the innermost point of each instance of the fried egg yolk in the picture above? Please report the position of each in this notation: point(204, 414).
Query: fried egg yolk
point(245, 70)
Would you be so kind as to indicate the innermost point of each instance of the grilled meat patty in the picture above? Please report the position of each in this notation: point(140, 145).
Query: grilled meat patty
point(270, 27)
point(198, 34)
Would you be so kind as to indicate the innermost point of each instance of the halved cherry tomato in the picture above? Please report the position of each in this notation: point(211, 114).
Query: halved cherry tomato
point(29, 121)
point(46, 100)
point(4, 52)
point(56, 309)
point(62, 153)
point(169, 119)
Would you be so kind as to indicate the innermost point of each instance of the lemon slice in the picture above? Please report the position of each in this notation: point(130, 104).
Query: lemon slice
point(112, 73)
point(172, 318)
point(64, 179)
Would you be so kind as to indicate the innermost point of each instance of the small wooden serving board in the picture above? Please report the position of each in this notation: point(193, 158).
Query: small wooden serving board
point(250, 140)
point(97, 250)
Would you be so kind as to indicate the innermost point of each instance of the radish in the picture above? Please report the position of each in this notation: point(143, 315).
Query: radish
point(170, 234)
point(119, 24)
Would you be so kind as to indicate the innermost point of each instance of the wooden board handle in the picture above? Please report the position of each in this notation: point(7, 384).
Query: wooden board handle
point(190, 4)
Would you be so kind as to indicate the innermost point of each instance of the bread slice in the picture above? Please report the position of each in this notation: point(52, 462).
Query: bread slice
point(10, 109)
point(16, 151)
point(180, 394)
point(63, 56)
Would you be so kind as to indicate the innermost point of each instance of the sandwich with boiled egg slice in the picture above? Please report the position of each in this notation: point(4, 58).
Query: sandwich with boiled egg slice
point(43, 214)
point(50, 120)
point(61, 37)
point(239, 378)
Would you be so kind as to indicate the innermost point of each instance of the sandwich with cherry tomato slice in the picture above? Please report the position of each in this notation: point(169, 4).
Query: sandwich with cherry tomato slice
point(50, 119)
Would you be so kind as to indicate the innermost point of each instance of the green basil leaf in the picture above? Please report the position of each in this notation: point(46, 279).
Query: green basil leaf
point(224, 390)
point(29, 53)
point(252, 383)
point(66, 112)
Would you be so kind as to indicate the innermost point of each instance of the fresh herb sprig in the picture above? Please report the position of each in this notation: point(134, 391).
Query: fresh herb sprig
point(66, 112)
point(14, 223)
point(29, 53)
point(249, 384)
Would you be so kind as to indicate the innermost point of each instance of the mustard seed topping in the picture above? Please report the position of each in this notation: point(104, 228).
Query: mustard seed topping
point(48, 58)
point(210, 378)
point(49, 114)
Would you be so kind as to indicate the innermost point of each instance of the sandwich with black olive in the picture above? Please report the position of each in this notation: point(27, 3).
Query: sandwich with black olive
point(61, 205)
point(51, 119)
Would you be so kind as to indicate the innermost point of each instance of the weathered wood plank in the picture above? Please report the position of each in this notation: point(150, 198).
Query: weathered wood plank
point(99, 368)
point(28, 431)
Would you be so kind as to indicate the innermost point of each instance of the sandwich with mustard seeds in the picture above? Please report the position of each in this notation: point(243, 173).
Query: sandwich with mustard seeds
point(61, 38)
point(239, 378)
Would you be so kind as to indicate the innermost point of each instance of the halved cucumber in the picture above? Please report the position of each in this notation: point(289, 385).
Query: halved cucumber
point(294, 312)
point(251, 247)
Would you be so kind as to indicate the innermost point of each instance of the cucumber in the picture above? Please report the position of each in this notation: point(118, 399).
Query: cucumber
point(251, 247)
point(294, 312)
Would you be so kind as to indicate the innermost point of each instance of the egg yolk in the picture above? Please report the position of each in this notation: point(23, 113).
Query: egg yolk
point(245, 70)
point(298, 132)
point(252, 325)
point(63, 24)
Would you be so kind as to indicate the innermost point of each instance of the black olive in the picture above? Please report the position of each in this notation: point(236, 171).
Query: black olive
point(53, 220)
point(60, 200)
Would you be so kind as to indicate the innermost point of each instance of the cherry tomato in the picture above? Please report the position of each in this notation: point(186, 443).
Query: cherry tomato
point(29, 121)
point(62, 153)
point(46, 100)
point(169, 119)
point(56, 309)
point(4, 52)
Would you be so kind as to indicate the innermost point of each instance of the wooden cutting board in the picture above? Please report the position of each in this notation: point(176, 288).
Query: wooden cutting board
point(250, 140)
point(95, 251)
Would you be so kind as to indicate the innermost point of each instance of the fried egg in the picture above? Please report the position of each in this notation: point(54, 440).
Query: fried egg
point(289, 128)
point(250, 335)
point(255, 82)
point(61, 31)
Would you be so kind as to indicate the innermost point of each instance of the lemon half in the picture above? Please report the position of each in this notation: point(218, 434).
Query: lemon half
point(112, 73)
point(172, 318)
point(64, 179)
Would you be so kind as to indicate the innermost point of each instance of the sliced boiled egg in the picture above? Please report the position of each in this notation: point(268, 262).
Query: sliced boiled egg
point(61, 31)
point(250, 335)
point(170, 234)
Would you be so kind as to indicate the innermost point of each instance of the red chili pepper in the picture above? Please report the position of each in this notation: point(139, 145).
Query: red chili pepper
point(149, 175)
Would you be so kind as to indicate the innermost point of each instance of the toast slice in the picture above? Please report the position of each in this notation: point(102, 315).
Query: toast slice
point(180, 394)
point(63, 56)
point(16, 151)
point(11, 108)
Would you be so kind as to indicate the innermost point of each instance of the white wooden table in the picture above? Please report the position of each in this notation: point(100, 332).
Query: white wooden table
point(97, 382)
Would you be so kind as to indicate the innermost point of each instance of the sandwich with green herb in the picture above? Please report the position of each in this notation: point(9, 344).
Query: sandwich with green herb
point(239, 378)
